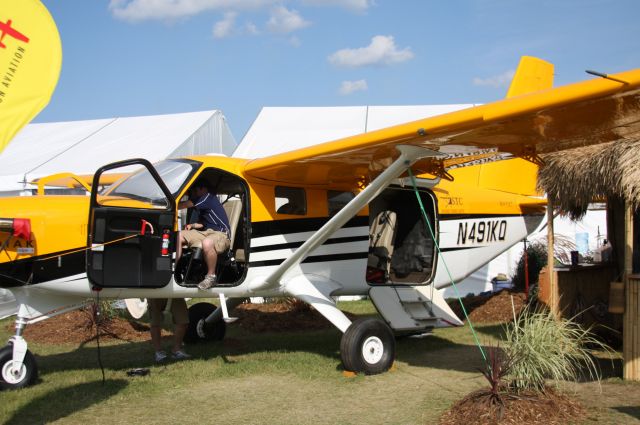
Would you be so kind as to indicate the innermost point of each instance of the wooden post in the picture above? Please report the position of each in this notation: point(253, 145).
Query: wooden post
point(631, 334)
point(553, 285)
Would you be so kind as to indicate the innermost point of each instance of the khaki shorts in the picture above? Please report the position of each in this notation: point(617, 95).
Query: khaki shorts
point(178, 311)
point(194, 238)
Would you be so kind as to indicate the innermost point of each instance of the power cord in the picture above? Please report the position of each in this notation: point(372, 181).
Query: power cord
point(98, 318)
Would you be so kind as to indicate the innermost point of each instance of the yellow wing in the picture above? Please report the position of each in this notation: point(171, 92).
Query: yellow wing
point(595, 111)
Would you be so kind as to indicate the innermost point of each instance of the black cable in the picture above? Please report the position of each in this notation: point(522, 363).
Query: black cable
point(98, 334)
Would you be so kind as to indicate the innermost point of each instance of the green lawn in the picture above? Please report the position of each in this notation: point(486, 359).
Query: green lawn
point(275, 378)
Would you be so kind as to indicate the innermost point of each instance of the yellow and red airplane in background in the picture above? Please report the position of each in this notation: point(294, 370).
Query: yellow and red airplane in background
point(346, 217)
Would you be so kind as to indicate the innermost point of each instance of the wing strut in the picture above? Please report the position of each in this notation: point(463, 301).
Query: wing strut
point(408, 156)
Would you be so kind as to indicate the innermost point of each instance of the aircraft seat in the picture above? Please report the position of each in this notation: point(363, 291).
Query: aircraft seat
point(233, 208)
point(381, 240)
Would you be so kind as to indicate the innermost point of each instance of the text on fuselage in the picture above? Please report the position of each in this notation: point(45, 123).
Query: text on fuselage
point(482, 231)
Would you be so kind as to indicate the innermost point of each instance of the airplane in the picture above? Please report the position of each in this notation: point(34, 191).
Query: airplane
point(395, 214)
point(6, 29)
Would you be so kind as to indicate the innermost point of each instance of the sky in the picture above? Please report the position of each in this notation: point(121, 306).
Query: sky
point(147, 57)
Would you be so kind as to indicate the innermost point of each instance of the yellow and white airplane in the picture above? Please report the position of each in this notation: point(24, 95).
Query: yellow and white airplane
point(339, 218)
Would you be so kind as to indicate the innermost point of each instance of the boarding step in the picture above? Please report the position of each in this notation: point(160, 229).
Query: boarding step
point(412, 308)
point(404, 308)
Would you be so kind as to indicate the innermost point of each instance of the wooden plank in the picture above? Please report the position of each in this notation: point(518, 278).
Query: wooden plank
point(631, 346)
point(636, 328)
point(553, 287)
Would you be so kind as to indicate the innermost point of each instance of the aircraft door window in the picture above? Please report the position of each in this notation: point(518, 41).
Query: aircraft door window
point(336, 200)
point(290, 200)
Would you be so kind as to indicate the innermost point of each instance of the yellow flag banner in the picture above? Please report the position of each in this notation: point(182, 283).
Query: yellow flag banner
point(30, 61)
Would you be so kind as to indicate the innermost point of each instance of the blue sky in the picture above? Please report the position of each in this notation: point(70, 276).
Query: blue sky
point(146, 57)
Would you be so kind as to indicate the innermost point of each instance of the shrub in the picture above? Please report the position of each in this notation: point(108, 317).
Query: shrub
point(537, 255)
point(542, 347)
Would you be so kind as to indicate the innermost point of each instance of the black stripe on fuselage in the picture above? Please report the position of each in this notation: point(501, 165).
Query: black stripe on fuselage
point(42, 268)
point(314, 259)
point(299, 225)
point(292, 245)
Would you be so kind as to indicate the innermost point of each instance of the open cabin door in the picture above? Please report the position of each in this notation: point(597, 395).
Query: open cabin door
point(401, 248)
point(131, 229)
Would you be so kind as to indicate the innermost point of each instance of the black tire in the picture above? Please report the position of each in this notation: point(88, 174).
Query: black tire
point(368, 346)
point(28, 373)
point(214, 332)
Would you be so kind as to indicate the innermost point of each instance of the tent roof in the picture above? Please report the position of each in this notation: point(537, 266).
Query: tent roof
point(280, 129)
point(574, 178)
point(83, 146)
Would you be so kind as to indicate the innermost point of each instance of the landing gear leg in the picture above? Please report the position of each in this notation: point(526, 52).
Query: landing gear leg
point(18, 367)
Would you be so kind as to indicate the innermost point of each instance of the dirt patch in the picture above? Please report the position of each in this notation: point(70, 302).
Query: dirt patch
point(490, 308)
point(550, 408)
point(79, 327)
point(280, 317)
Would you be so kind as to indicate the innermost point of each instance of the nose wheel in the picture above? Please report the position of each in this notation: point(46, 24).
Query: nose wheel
point(368, 346)
point(12, 377)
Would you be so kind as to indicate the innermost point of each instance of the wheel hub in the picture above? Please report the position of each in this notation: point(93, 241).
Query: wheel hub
point(372, 350)
point(11, 376)
point(200, 329)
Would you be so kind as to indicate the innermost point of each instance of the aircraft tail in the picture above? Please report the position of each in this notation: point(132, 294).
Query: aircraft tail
point(532, 75)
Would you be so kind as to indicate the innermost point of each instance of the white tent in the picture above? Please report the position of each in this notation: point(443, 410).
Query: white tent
point(81, 147)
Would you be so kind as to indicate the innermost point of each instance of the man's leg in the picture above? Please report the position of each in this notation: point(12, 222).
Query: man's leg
point(181, 322)
point(156, 306)
point(210, 255)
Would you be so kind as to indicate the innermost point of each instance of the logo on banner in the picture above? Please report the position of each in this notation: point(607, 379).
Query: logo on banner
point(7, 29)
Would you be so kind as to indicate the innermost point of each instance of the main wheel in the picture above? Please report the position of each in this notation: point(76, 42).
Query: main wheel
point(198, 330)
point(25, 376)
point(368, 346)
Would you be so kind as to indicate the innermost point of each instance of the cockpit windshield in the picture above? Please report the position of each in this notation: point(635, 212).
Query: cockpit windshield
point(141, 186)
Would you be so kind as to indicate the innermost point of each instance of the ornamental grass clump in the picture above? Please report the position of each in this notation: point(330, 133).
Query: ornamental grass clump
point(542, 347)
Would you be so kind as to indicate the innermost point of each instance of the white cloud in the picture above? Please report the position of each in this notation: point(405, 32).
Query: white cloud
point(252, 29)
point(140, 10)
point(284, 21)
point(226, 26)
point(355, 5)
point(381, 51)
point(348, 87)
point(495, 81)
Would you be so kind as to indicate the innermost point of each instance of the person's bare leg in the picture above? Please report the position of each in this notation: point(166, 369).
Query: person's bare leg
point(210, 255)
point(178, 336)
point(156, 337)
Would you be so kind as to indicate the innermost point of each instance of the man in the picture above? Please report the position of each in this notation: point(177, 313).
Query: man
point(211, 229)
point(180, 322)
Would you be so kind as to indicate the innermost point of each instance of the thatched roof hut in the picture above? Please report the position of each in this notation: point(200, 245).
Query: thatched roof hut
point(574, 178)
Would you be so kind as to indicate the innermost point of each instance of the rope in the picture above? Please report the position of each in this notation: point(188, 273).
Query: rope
point(88, 247)
point(435, 242)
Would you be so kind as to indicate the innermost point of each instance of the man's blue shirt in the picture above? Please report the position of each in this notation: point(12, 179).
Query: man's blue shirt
point(211, 214)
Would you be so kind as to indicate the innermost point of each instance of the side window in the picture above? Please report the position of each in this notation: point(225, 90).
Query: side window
point(337, 200)
point(290, 200)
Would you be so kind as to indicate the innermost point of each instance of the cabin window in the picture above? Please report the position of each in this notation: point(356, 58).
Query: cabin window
point(290, 200)
point(336, 200)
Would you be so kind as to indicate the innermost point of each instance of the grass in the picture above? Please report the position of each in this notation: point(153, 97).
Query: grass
point(279, 378)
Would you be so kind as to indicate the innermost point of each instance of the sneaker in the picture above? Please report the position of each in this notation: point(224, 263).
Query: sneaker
point(180, 355)
point(160, 356)
point(208, 281)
